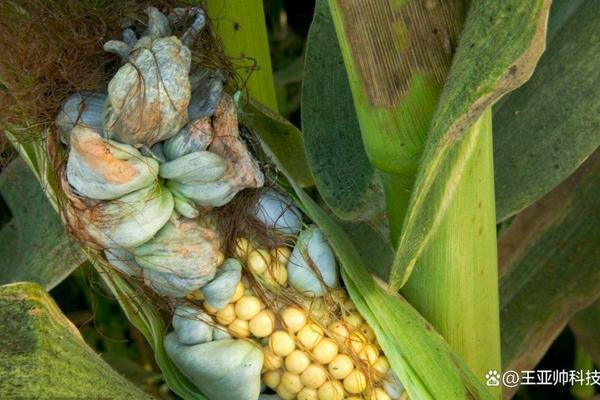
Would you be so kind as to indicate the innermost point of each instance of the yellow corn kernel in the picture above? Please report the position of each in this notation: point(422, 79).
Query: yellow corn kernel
point(239, 292)
point(271, 360)
point(314, 376)
point(258, 261)
point(242, 248)
point(281, 254)
point(291, 382)
point(272, 379)
point(262, 324)
point(356, 382)
point(341, 366)
point(357, 341)
point(226, 315)
point(294, 319)
point(339, 331)
point(310, 335)
point(349, 305)
point(239, 329)
point(307, 394)
point(367, 331)
point(282, 343)
point(354, 319)
point(331, 390)
point(284, 393)
point(380, 394)
point(382, 366)
point(325, 350)
point(369, 354)
point(247, 307)
point(276, 275)
point(208, 308)
point(297, 361)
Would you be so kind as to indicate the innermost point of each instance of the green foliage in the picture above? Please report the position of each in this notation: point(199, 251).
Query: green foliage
point(35, 246)
point(550, 267)
point(499, 47)
point(240, 25)
point(345, 178)
point(585, 324)
point(43, 355)
point(544, 130)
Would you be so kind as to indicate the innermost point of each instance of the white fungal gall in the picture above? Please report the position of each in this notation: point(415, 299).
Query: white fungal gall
point(224, 286)
point(312, 252)
point(235, 364)
point(192, 326)
point(105, 170)
point(126, 222)
point(277, 212)
point(84, 109)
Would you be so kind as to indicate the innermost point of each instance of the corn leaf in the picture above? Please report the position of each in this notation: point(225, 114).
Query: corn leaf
point(554, 242)
point(499, 47)
point(346, 180)
point(35, 246)
point(43, 355)
point(426, 365)
point(284, 139)
point(396, 74)
point(585, 324)
point(548, 127)
point(240, 25)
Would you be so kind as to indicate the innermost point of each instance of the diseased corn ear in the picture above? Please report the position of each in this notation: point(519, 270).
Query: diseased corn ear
point(224, 369)
point(148, 97)
point(126, 222)
point(104, 169)
point(312, 252)
point(277, 212)
point(222, 288)
point(80, 109)
point(182, 257)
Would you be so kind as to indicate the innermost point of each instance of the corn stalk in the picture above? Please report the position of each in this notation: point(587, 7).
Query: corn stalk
point(447, 237)
point(240, 25)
